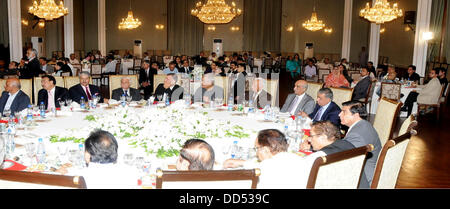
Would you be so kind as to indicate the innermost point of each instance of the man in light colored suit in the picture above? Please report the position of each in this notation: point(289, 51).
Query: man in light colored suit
point(361, 133)
point(429, 94)
point(299, 101)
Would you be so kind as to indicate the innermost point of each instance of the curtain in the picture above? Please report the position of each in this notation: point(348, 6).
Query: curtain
point(262, 25)
point(185, 32)
point(4, 34)
point(447, 36)
point(437, 14)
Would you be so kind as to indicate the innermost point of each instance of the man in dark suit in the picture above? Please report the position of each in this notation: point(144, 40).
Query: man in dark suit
point(13, 98)
point(85, 90)
point(239, 84)
point(146, 75)
point(185, 68)
point(325, 137)
point(361, 133)
point(51, 94)
point(412, 75)
point(169, 87)
point(326, 109)
point(258, 95)
point(299, 101)
point(125, 89)
point(33, 67)
point(361, 89)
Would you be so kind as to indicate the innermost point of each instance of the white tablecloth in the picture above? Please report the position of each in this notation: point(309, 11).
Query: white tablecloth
point(404, 90)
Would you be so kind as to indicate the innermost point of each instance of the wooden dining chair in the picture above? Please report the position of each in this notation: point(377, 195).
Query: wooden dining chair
point(215, 179)
point(313, 89)
point(341, 95)
point(391, 91)
point(435, 105)
point(29, 180)
point(340, 170)
point(386, 118)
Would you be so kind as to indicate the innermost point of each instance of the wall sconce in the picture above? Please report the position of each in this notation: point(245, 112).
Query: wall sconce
point(382, 30)
point(159, 26)
point(212, 28)
point(234, 28)
point(426, 36)
point(41, 23)
point(24, 22)
point(290, 28)
point(328, 30)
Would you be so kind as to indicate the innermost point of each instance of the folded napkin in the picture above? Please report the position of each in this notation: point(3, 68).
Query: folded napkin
point(15, 167)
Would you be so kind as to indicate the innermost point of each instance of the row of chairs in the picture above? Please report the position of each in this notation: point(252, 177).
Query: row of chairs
point(336, 171)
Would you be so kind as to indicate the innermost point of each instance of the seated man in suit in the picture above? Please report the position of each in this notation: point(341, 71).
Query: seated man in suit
point(412, 75)
point(362, 87)
point(361, 133)
point(126, 90)
point(299, 101)
point(259, 96)
point(172, 69)
point(13, 99)
point(146, 75)
point(85, 90)
point(51, 94)
point(217, 71)
point(326, 109)
point(238, 85)
point(196, 155)
point(185, 68)
point(46, 67)
point(170, 89)
point(209, 92)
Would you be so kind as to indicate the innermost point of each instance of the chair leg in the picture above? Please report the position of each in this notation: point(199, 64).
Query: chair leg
point(438, 112)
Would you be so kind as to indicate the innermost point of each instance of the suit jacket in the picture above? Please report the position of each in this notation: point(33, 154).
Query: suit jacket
point(430, 93)
point(183, 70)
point(148, 91)
point(361, 89)
point(31, 70)
point(20, 103)
point(362, 134)
point(134, 93)
point(331, 114)
point(216, 92)
point(239, 83)
point(263, 99)
point(306, 105)
point(175, 94)
point(49, 69)
point(60, 94)
point(338, 146)
point(76, 92)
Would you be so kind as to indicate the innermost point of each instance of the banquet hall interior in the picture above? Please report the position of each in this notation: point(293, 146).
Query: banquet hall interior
point(390, 56)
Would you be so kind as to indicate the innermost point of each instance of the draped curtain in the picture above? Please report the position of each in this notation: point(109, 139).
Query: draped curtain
point(4, 36)
point(185, 32)
point(437, 15)
point(262, 25)
point(447, 36)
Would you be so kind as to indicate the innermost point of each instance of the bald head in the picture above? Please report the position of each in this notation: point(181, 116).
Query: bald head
point(300, 87)
point(12, 85)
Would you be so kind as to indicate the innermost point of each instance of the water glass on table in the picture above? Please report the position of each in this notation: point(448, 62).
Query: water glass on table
point(31, 151)
point(128, 159)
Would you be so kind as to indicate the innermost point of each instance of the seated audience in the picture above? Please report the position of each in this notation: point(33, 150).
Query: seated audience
point(85, 90)
point(213, 57)
point(209, 92)
point(172, 69)
point(361, 133)
point(170, 89)
point(412, 75)
point(126, 90)
point(429, 94)
point(238, 85)
point(13, 99)
point(443, 78)
point(326, 109)
point(294, 66)
point(111, 65)
point(372, 71)
point(336, 79)
point(185, 67)
point(61, 69)
point(51, 94)
point(391, 74)
point(46, 67)
point(73, 60)
point(344, 71)
point(196, 155)
point(146, 75)
point(325, 64)
point(259, 96)
point(299, 101)
point(362, 87)
point(279, 168)
point(310, 70)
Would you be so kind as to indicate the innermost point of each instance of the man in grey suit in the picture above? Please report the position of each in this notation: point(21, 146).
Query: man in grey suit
point(361, 89)
point(46, 67)
point(361, 133)
point(299, 101)
point(126, 90)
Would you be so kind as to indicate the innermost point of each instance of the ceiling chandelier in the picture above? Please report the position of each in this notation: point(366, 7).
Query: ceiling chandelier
point(381, 12)
point(48, 9)
point(129, 22)
point(216, 12)
point(314, 24)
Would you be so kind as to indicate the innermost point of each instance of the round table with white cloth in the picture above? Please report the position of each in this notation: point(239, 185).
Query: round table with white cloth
point(405, 90)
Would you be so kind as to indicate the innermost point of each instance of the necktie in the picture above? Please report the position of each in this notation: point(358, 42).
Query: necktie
point(50, 101)
point(88, 93)
point(293, 106)
point(126, 92)
point(318, 114)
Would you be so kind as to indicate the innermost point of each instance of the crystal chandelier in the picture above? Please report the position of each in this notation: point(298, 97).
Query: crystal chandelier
point(314, 24)
point(216, 12)
point(381, 12)
point(48, 10)
point(129, 22)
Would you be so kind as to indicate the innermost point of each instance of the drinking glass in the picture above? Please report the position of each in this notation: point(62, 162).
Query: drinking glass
point(226, 149)
point(30, 148)
point(159, 96)
point(128, 159)
point(62, 103)
point(129, 99)
point(139, 163)
point(219, 102)
point(7, 112)
point(73, 156)
point(62, 151)
point(69, 102)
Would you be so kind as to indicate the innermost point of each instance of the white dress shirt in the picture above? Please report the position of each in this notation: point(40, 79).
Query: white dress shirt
point(10, 100)
point(51, 100)
point(310, 71)
point(324, 108)
point(299, 99)
point(110, 176)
